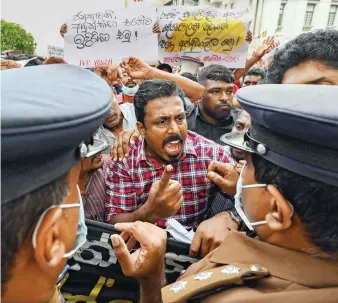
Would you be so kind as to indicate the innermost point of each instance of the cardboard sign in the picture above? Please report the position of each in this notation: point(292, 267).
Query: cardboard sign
point(208, 34)
point(106, 36)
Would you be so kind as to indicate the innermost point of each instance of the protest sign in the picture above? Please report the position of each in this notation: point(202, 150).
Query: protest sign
point(106, 36)
point(208, 34)
point(55, 51)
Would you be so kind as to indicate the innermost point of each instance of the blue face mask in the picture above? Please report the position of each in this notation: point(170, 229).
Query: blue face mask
point(81, 233)
point(130, 91)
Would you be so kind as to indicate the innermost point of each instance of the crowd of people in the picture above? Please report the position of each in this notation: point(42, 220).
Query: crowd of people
point(246, 158)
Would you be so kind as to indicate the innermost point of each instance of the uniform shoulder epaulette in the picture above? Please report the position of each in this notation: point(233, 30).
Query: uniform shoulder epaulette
point(211, 281)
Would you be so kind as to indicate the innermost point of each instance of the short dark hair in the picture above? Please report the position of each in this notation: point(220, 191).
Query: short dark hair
point(19, 216)
point(321, 45)
point(189, 76)
point(314, 202)
point(216, 72)
point(166, 66)
point(256, 71)
point(151, 90)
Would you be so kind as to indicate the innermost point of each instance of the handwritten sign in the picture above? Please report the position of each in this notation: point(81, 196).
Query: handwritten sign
point(55, 51)
point(211, 35)
point(107, 36)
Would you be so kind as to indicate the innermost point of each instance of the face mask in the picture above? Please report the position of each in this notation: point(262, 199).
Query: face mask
point(239, 205)
point(130, 91)
point(81, 233)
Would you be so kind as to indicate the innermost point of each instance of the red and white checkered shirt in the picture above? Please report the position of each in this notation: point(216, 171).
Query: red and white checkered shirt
point(128, 183)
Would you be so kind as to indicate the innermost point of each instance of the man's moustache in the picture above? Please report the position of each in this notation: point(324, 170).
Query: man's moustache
point(171, 139)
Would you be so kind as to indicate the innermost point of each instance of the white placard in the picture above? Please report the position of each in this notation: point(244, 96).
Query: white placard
point(209, 34)
point(106, 36)
point(55, 51)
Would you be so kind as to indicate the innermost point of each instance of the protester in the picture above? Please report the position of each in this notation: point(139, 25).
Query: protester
point(129, 88)
point(267, 46)
point(121, 117)
point(308, 59)
point(91, 181)
point(9, 64)
point(42, 218)
point(165, 174)
point(291, 205)
point(165, 67)
point(137, 69)
point(253, 76)
point(26, 61)
point(54, 60)
point(241, 126)
point(214, 115)
point(210, 117)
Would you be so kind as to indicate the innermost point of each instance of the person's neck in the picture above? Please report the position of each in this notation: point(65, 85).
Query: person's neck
point(294, 238)
point(83, 182)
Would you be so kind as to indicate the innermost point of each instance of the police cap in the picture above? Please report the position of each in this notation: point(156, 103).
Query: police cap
point(293, 126)
point(49, 114)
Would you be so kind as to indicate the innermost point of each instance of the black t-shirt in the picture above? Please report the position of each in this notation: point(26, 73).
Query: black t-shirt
point(197, 124)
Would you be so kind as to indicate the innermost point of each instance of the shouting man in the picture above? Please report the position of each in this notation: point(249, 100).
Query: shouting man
point(165, 173)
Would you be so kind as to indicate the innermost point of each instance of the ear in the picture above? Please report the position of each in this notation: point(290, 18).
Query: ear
point(280, 216)
point(141, 129)
point(50, 248)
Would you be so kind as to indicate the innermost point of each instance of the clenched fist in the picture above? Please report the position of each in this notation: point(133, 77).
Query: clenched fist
point(165, 197)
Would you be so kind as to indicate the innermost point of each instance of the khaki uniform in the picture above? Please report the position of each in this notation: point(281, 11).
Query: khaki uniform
point(279, 275)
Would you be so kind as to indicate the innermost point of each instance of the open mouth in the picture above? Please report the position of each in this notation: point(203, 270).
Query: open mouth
point(173, 148)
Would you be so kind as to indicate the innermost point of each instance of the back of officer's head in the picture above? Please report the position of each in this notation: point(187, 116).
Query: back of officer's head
point(314, 202)
point(45, 134)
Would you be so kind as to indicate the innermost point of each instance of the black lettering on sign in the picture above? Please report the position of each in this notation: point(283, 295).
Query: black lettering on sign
point(88, 39)
point(166, 45)
point(169, 15)
point(124, 36)
point(209, 28)
point(138, 21)
point(197, 43)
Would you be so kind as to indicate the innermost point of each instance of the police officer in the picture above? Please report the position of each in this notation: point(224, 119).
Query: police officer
point(287, 193)
point(49, 114)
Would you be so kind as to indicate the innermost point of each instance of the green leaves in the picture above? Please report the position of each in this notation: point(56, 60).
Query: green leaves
point(15, 37)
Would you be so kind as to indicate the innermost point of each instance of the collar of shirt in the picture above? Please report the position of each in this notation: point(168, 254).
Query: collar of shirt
point(188, 149)
point(287, 264)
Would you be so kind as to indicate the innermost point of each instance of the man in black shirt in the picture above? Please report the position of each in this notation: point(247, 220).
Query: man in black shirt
point(214, 116)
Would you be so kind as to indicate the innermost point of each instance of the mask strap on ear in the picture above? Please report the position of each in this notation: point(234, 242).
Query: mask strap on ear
point(35, 232)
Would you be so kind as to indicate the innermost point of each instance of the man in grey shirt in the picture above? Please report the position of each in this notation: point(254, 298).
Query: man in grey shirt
point(120, 118)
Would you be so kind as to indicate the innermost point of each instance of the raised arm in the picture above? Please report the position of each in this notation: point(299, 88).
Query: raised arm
point(138, 69)
point(267, 45)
